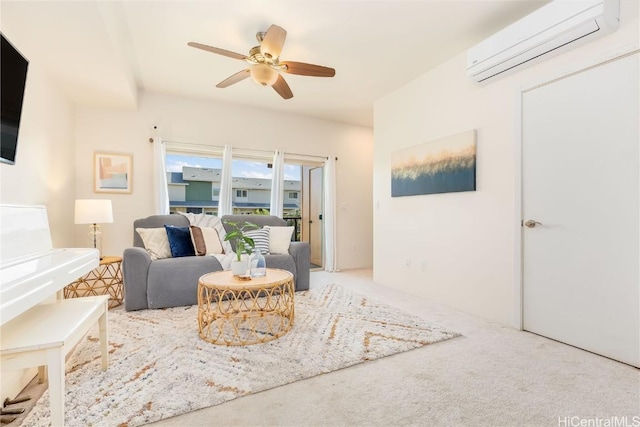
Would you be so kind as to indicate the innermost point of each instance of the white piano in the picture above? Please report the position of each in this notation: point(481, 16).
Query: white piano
point(36, 328)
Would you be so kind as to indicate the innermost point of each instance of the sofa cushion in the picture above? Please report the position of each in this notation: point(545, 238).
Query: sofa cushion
point(180, 241)
point(260, 239)
point(173, 282)
point(279, 239)
point(155, 242)
point(283, 262)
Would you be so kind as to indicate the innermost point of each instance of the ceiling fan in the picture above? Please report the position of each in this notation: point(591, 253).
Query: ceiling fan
point(265, 64)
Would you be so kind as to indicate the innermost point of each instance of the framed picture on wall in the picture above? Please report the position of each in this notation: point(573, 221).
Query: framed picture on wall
point(112, 173)
point(446, 165)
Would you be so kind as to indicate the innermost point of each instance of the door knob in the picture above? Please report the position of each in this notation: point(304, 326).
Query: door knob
point(531, 223)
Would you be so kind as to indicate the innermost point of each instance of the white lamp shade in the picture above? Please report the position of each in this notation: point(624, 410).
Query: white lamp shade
point(93, 211)
point(264, 74)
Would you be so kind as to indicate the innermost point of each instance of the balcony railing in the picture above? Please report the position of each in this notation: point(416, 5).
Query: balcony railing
point(296, 222)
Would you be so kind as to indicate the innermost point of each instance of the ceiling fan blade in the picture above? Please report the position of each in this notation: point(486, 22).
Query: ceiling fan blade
point(217, 50)
point(308, 69)
point(273, 41)
point(240, 75)
point(282, 88)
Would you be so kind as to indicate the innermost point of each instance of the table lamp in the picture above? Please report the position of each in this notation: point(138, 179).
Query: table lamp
point(93, 212)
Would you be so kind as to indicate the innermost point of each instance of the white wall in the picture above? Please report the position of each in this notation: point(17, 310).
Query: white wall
point(206, 122)
point(44, 172)
point(464, 241)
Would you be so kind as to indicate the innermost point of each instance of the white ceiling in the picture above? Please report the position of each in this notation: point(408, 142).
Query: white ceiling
point(104, 52)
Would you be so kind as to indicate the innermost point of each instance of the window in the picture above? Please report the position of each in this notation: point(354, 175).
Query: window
point(193, 181)
point(251, 184)
point(194, 172)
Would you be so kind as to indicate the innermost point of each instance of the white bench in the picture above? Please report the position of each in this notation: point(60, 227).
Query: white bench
point(43, 335)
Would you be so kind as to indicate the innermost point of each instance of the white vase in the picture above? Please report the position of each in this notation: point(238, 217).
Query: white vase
point(239, 268)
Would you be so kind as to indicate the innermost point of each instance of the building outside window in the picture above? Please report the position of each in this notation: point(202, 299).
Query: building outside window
point(194, 185)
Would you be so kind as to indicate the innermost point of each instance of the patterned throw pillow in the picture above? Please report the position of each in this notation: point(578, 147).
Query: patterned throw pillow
point(179, 241)
point(210, 221)
point(155, 242)
point(279, 239)
point(260, 238)
point(205, 240)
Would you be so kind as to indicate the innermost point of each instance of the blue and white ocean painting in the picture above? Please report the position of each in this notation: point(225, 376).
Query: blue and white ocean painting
point(445, 165)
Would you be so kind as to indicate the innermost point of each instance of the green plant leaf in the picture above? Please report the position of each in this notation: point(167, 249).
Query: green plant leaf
point(239, 250)
point(236, 235)
point(233, 235)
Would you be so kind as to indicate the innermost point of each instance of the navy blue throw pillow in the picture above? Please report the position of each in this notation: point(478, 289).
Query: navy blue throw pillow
point(180, 241)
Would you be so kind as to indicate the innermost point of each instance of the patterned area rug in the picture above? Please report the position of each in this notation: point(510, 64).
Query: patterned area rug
point(160, 368)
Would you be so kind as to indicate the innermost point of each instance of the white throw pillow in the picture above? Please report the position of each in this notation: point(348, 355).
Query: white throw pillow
point(279, 239)
point(155, 242)
point(211, 240)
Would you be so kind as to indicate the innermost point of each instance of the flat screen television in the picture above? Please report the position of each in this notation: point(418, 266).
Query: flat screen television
point(13, 76)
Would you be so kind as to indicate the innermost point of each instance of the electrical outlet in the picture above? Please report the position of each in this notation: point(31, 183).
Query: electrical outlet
point(423, 266)
point(407, 263)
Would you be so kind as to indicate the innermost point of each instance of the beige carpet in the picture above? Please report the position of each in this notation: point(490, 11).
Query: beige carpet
point(492, 376)
point(159, 367)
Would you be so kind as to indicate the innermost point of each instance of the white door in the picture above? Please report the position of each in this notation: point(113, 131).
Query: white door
point(580, 180)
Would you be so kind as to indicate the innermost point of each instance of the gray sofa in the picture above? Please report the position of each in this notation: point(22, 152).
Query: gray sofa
point(173, 282)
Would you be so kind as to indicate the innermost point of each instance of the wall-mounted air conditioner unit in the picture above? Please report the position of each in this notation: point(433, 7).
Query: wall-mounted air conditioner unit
point(556, 25)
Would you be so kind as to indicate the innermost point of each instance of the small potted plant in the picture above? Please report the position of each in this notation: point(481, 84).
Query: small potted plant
point(243, 245)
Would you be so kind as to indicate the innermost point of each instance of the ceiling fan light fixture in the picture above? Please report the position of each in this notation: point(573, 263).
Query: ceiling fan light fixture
point(272, 41)
point(264, 75)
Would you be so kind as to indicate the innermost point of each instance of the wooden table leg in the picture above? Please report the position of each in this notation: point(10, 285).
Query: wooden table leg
point(292, 293)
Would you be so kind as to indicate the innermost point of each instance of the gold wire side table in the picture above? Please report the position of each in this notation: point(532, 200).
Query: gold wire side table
point(233, 311)
point(106, 279)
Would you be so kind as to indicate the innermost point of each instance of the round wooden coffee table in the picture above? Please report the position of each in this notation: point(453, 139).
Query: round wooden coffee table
point(233, 311)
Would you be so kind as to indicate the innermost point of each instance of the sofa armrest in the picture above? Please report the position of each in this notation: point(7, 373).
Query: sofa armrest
point(135, 270)
point(301, 253)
